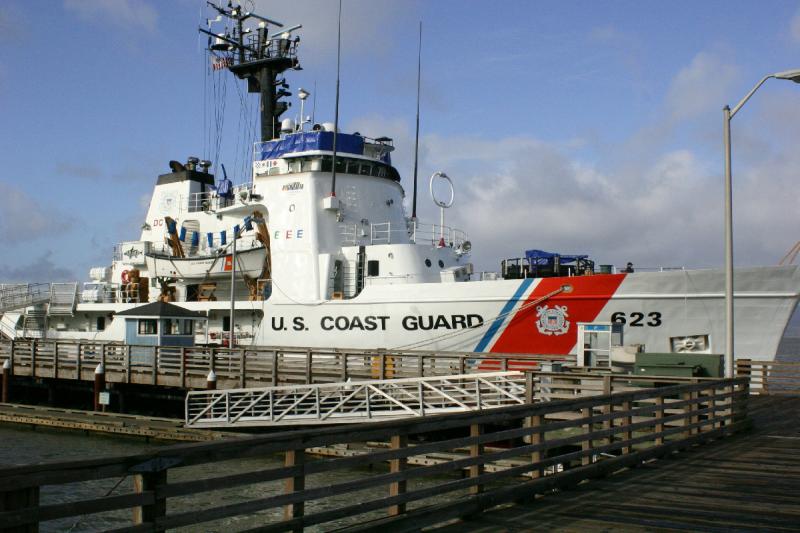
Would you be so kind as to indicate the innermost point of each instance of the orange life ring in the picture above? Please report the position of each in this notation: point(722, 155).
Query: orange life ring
point(125, 276)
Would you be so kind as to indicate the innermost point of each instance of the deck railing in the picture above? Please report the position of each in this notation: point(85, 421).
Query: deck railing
point(470, 462)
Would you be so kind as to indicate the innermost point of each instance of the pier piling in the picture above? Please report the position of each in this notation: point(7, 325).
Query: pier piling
point(6, 379)
point(99, 385)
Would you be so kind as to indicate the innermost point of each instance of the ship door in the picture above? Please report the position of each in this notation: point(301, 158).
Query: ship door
point(338, 280)
point(595, 341)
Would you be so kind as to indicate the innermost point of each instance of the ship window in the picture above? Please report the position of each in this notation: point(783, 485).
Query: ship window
point(341, 165)
point(315, 164)
point(379, 171)
point(307, 165)
point(148, 326)
point(188, 327)
point(101, 323)
point(373, 268)
point(441, 263)
point(226, 323)
point(275, 170)
point(326, 164)
point(428, 263)
point(294, 166)
point(352, 167)
point(365, 169)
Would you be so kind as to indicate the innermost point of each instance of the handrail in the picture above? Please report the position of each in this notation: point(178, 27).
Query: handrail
point(357, 401)
point(547, 445)
point(771, 377)
point(23, 295)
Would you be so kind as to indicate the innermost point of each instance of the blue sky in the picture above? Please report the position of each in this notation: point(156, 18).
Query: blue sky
point(572, 126)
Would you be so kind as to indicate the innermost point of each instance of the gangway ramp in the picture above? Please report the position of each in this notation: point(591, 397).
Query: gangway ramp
point(357, 401)
point(16, 296)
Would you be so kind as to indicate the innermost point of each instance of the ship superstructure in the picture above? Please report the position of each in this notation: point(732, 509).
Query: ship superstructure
point(317, 250)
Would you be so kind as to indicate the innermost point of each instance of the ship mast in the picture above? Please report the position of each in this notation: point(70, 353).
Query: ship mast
point(258, 57)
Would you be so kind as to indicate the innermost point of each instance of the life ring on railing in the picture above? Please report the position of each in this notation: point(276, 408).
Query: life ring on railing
point(125, 276)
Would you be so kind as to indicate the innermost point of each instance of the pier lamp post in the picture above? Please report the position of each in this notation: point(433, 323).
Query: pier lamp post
point(728, 114)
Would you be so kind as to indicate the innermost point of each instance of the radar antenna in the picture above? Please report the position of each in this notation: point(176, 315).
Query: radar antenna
point(258, 57)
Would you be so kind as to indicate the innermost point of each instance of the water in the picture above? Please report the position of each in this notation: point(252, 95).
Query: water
point(24, 446)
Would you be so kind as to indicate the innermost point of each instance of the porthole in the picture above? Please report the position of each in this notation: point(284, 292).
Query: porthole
point(441, 263)
point(428, 263)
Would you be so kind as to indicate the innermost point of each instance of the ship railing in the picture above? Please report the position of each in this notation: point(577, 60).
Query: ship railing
point(434, 234)
point(211, 201)
point(15, 296)
point(621, 269)
point(388, 233)
point(272, 48)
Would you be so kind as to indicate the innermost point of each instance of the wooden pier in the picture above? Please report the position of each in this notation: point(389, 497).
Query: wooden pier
point(252, 366)
point(618, 454)
point(147, 427)
point(514, 453)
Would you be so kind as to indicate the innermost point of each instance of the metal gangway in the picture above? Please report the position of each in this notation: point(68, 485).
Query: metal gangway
point(16, 296)
point(357, 401)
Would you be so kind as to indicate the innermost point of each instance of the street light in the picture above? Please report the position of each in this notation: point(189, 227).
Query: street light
point(728, 113)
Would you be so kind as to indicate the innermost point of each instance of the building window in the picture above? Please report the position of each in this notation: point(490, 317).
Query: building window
point(148, 326)
point(170, 326)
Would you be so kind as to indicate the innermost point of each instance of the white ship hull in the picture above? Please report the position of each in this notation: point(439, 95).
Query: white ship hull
point(662, 310)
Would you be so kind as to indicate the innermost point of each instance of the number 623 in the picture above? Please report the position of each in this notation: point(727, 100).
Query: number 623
point(637, 319)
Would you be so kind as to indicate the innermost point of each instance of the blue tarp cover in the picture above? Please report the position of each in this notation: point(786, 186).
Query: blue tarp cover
point(307, 141)
point(540, 257)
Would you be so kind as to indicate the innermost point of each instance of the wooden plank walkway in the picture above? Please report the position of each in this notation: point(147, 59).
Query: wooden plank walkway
point(749, 481)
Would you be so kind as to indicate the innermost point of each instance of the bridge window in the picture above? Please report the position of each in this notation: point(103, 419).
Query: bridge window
point(101, 323)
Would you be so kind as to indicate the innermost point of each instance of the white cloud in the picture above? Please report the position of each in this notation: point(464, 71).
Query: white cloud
point(23, 218)
point(128, 13)
point(794, 27)
point(366, 25)
point(700, 87)
point(79, 170)
point(655, 199)
point(42, 269)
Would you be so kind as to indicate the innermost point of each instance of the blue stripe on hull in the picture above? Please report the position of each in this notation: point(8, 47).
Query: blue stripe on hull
point(498, 322)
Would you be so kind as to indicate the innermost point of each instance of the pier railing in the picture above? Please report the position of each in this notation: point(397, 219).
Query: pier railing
point(770, 377)
point(254, 366)
point(472, 461)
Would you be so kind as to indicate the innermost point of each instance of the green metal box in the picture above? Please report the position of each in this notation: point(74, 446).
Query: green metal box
point(679, 365)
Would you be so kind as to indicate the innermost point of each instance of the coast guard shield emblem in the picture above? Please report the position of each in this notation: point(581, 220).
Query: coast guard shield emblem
point(552, 321)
